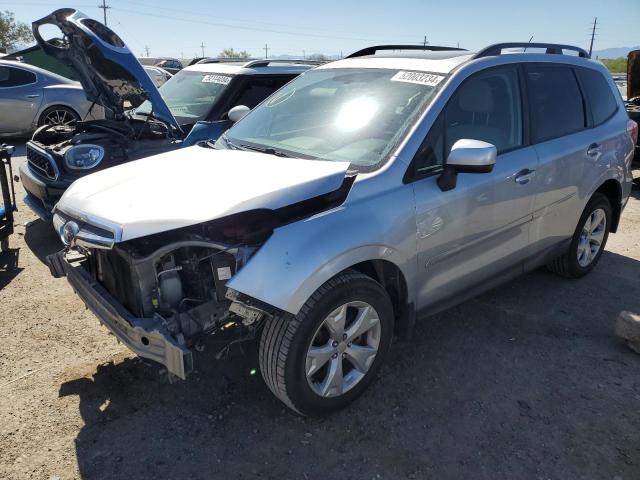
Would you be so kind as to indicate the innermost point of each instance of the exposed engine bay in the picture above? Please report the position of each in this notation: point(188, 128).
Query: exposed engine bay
point(122, 140)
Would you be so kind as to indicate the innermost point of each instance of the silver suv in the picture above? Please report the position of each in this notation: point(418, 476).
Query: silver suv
point(396, 181)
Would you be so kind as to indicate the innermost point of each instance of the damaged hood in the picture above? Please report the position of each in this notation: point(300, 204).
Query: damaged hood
point(194, 185)
point(109, 73)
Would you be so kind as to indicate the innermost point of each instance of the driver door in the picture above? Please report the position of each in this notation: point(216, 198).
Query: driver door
point(477, 234)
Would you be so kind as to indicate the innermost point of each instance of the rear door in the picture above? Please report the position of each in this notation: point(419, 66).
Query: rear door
point(20, 98)
point(478, 233)
point(570, 153)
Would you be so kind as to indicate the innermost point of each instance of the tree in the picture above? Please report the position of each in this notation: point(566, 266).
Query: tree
point(318, 57)
point(231, 53)
point(13, 33)
point(616, 65)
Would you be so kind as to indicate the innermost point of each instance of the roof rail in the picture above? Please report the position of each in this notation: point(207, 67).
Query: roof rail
point(551, 48)
point(377, 48)
point(266, 62)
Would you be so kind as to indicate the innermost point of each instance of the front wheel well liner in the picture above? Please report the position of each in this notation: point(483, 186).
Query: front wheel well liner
point(393, 281)
point(613, 191)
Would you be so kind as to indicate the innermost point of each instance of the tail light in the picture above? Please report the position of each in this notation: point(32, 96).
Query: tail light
point(632, 130)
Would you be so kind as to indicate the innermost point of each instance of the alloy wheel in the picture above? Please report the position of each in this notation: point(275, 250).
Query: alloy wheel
point(60, 117)
point(343, 349)
point(592, 236)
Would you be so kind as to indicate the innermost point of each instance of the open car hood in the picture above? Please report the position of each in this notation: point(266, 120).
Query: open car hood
point(109, 73)
point(633, 74)
point(194, 185)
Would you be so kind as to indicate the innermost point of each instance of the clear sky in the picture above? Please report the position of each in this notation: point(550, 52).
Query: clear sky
point(179, 27)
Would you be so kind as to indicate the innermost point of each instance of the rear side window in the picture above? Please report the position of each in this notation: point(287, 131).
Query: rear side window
point(555, 99)
point(601, 100)
point(15, 77)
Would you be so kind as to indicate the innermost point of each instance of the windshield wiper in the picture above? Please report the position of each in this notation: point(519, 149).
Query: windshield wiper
point(267, 150)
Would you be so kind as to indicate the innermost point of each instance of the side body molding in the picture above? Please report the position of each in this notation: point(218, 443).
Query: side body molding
point(299, 257)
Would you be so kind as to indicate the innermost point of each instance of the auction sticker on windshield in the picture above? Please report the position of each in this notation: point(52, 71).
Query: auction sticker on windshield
point(429, 79)
point(221, 79)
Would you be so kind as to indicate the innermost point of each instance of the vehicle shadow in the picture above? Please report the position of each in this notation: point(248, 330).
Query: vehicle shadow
point(9, 266)
point(41, 239)
point(526, 380)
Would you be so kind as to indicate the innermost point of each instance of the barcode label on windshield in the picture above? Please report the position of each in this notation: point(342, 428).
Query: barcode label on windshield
point(221, 79)
point(421, 78)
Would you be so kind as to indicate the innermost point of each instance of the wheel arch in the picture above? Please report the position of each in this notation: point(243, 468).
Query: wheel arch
point(57, 104)
point(613, 191)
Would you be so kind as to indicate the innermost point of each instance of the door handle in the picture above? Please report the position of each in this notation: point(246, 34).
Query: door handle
point(594, 150)
point(33, 95)
point(524, 176)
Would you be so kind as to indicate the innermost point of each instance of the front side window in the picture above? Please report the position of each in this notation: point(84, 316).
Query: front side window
point(603, 103)
point(486, 107)
point(15, 77)
point(190, 95)
point(347, 115)
point(555, 102)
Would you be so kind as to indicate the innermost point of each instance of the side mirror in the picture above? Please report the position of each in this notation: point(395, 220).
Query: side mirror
point(237, 112)
point(467, 156)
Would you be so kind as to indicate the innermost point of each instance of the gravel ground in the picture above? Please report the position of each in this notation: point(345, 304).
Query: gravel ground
point(526, 381)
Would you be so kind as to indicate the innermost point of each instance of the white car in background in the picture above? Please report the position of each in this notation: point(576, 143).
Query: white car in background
point(158, 75)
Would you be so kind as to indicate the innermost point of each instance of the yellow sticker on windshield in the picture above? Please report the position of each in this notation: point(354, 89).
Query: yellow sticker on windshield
point(221, 79)
point(422, 78)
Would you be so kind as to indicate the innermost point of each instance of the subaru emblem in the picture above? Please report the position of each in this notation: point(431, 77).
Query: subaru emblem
point(69, 232)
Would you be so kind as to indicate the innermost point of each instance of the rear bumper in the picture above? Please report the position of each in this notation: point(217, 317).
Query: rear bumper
point(146, 337)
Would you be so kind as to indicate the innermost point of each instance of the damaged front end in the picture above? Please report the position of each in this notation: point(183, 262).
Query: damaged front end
point(160, 295)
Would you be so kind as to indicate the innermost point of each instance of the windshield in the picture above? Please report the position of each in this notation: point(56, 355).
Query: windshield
point(190, 95)
point(357, 116)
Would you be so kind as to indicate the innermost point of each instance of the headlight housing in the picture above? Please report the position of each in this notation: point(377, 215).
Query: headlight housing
point(83, 157)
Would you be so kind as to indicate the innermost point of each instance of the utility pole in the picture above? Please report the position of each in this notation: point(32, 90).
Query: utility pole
point(146, 49)
point(593, 34)
point(104, 8)
point(304, 55)
point(424, 43)
point(202, 45)
point(266, 51)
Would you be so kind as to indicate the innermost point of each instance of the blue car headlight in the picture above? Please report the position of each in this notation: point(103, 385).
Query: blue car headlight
point(83, 157)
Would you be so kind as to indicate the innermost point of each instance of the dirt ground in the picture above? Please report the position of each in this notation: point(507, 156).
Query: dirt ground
point(526, 381)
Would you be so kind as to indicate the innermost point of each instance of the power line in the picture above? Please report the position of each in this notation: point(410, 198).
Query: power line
point(242, 27)
point(245, 20)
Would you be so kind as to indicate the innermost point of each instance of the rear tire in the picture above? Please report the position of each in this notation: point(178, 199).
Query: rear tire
point(592, 230)
point(58, 115)
point(309, 360)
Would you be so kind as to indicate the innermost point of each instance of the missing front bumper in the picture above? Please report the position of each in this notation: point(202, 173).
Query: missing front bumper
point(146, 337)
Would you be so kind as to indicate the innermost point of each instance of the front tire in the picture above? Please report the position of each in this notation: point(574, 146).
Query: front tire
point(588, 240)
point(323, 358)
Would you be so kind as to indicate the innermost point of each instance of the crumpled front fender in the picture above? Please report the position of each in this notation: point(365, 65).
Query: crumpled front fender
point(298, 258)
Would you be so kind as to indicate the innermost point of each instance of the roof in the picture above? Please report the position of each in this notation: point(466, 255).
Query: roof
point(244, 68)
point(436, 62)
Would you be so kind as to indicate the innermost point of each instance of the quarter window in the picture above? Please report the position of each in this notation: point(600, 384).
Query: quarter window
point(486, 107)
point(15, 77)
point(556, 102)
point(601, 100)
